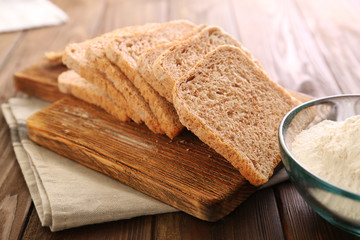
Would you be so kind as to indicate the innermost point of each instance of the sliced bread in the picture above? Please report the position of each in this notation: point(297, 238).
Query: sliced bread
point(124, 53)
point(178, 60)
point(74, 57)
point(147, 59)
point(70, 82)
point(97, 45)
point(98, 61)
point(233, 106)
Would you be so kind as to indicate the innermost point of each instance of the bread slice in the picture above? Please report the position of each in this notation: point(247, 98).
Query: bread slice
point(98, 61)
point(96, 48)
point(70, 82)
point(147, 59)
point(74, 57)
point(178, 60)
point(124, 53)
point(233, 106)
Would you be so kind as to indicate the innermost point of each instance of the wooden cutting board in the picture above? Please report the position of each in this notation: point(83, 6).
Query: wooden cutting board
point(40, 80)
point(183, 172)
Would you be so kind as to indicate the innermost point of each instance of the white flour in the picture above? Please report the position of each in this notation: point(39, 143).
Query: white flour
point(331, 151)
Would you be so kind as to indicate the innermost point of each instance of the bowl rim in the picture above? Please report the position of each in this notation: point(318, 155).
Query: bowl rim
point(286, 121)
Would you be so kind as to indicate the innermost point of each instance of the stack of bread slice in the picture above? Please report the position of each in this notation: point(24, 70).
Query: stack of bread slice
point(177, 74)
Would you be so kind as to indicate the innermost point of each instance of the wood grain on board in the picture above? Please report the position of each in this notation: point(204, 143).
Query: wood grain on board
point(183, 172)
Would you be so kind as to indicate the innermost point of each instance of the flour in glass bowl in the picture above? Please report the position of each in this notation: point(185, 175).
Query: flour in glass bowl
point(331, 151)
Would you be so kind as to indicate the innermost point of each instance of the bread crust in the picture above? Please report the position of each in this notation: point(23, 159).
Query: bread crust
point(70, 82)
point(147, 59)
point(97, 60)
point(176, 61)
point(74, 58)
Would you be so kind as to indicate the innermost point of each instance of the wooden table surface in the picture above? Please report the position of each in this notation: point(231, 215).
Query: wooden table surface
point(308, 46)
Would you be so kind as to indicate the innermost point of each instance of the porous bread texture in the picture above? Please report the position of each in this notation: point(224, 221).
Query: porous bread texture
point(96, 48)
point(132, 95)
point(70, 82)
point(124, 53)
point(145, 64)
point(96, 58)
point(232, 105)
point(179, 59)
point(75, 58)
point(147, 59)
point(162, 109)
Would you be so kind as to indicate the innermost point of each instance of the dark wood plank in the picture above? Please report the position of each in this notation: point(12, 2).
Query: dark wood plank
point(337, 33)
point(300, 221)
point(136, 228)
point(182, 172)
point(15, 199)
point(278, 36)
point(256, 218)
point(179, 226)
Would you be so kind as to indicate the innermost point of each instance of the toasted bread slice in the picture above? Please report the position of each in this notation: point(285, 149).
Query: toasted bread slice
point(233, 106)
point(124, 53)
point(178, 60)
point(70, 82)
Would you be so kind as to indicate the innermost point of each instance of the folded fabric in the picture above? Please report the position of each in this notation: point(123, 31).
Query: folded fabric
point(24, 14)
point(67, 194)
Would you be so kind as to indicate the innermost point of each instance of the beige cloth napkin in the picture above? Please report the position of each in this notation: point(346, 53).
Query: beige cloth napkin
point(67, 194)
point(24, 14)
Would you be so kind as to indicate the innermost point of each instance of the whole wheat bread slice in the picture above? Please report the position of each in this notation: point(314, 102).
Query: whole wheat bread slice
point(75, 58)
point(98, 61)
point(178, 60)
point(70, 82)
point(233, 106)
point(98, 44)
point(147, 59)
point(124, 53)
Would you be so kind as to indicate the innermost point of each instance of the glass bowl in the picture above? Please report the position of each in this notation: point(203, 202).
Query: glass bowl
point(335, 204)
